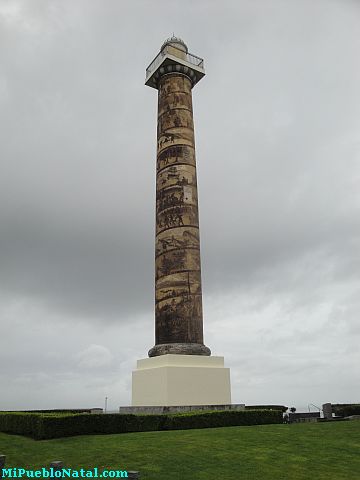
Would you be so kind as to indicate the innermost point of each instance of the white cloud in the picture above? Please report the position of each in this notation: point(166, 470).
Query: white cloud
point(94, 356)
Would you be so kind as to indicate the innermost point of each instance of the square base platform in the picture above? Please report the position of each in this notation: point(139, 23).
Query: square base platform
point(181, 380)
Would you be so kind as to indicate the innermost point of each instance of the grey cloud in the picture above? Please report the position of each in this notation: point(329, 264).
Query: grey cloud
point(278, 141)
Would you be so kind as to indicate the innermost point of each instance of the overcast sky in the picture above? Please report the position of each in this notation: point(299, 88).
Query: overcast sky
point(277, 124)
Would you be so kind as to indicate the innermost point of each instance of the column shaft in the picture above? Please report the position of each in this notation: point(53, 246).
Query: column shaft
point(178, 296)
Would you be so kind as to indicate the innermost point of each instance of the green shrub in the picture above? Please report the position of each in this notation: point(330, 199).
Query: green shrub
point(345, 410)
point(43, 426)
point(221, 419)
point(21, 423)
point(282, 408)
point(60, 410)
point(59, 426)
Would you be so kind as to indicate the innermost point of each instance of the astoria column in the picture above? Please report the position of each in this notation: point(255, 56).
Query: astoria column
point(178, 296)
point(180, 370)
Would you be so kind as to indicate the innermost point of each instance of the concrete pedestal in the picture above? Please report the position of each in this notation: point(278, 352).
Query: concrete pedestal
point(174, 380)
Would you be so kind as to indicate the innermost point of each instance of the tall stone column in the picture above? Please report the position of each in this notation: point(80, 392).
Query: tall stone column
point(178, 296)
point(180, 371)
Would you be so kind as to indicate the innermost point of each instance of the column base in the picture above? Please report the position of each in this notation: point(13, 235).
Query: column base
point(179, 349)
point(181, 380)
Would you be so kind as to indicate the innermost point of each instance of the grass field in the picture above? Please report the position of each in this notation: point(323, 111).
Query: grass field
point(325, 451)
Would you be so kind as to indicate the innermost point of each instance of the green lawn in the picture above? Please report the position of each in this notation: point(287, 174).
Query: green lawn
point(325, 451)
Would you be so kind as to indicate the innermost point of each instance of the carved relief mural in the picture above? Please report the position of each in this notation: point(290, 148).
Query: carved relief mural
point(178, 301)
point(179, 154)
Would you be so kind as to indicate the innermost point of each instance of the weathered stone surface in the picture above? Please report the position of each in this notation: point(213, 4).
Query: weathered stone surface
point(178, 295)
point(179, 349)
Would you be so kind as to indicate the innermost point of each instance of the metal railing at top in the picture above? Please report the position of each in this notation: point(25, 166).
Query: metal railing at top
point(189, 57)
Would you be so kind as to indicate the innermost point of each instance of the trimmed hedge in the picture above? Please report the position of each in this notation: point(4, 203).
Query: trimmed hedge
point(44, 426)
point(345, 410)
point(21, 423)
point(221, 418)
point(282, 408)
point(60, 410)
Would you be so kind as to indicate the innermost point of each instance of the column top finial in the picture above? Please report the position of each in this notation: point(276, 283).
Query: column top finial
point(175, 42)
point(174, 57)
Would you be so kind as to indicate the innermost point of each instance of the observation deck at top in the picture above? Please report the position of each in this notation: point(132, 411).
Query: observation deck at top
point(174, 57)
